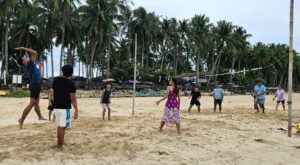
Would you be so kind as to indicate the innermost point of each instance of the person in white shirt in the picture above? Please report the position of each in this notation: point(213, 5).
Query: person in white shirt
point(280, 97)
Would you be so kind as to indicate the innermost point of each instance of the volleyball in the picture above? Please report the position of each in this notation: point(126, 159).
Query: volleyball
point(33, 29)
point(297, 127)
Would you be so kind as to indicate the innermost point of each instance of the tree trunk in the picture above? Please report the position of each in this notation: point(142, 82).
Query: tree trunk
point(217, 68)
point(6, 53)
point(214, 66)
point(52, 62)
point(108, 59)
point(2, 61)
point(82, 70)
point(197, 67)
point(162, 60)
point(46, 65)
point(232, 67)
point(90, 69)
point(176, 64)
point(143, 53)
point(69, 55)
point(79, 67)
point(62, 46)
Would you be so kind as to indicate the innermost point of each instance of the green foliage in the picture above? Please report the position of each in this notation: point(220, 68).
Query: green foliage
point(18, 93)
point(100, 34)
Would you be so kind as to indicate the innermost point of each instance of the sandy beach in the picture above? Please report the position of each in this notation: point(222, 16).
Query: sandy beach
point(235, 136)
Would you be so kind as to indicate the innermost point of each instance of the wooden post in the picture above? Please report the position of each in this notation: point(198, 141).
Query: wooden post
point(134, 81)
point(291, 55)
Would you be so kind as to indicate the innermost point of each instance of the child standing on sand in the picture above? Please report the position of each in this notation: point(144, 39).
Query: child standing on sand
point(50, 104)
point(280, 97)
point(105, 100)
point(172, 108)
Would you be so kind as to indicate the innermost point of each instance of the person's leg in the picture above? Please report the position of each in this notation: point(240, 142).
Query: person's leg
point(178, 127)
point(283, 105)
point(190, 107)
point(256, 105)
point(277, 105)
point(215, 105)
point(263, 108)
point(220, 106)
point(161, 125)
point(199, 109)
point(60, 136)
point(108, 113)
point(103, 112)
point(54, 117)
point(49, 115)
point(26, 111)
point(38, 110)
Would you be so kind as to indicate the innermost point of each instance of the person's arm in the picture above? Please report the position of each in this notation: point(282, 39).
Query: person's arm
point(178, 97)
point(74, 104)
point(275, 96)
point(50, 94)
point(41, 69)
point(222, 94)
point(31, 51)
point(199, 95)
point(166, 96)
point(101, 96)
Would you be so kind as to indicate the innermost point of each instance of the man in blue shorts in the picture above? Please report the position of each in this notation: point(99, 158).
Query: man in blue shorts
point(33, 71)
point(218, 94)
point(259, 93)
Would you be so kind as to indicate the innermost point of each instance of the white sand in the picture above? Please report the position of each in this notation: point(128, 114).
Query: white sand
point(236, 136)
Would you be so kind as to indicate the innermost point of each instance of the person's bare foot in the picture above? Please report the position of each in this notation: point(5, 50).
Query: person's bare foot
point(42, 118)
point(20, 123)
point(59, 148)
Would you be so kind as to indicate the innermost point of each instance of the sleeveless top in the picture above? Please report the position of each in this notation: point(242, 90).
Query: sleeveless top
point(106, 96)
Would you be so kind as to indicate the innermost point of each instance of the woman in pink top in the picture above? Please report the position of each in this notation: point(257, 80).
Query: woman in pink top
point(280, 97)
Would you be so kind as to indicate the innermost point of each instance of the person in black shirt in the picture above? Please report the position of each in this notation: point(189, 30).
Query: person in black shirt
point(63, 96)
point(105, 100)
point(196, 95)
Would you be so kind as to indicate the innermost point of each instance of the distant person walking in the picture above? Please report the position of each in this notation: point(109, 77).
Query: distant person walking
point(172, 107)
point(280, 97)
point(218, 95)
point(105, 100)
point(34, 73)
point(259, 94)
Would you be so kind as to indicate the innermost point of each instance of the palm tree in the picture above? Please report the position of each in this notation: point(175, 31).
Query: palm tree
point(291, 56)
point(140, 25)
point(98, 18)
point(66, 8)
point(240, 44)
point(200, 30)
point(224, 39)
point(48, 13)
point(6, 11)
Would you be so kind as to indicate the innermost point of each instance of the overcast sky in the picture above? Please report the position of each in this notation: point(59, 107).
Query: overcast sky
point(266, 20)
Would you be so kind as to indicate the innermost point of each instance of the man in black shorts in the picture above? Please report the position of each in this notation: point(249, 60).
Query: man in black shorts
point(64, 90)
point(196, 95)
point(33, 71)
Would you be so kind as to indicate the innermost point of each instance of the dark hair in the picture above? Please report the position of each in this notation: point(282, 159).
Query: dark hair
point(176, 89)
point(108, 83)
point(67, 70)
